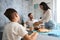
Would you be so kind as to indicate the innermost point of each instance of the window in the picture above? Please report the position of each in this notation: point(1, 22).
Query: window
point(58, 11)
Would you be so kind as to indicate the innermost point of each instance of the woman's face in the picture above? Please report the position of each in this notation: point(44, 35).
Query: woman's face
point(41, 7)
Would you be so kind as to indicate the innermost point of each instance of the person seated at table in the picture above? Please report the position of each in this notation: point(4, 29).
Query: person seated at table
point(30, 21)
point(13, 30)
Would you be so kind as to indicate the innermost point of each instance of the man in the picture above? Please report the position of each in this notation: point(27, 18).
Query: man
point(31, 21)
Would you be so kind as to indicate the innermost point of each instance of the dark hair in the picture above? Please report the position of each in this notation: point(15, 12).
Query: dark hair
point(45, 6)
point(8, 13)
point(29, 14)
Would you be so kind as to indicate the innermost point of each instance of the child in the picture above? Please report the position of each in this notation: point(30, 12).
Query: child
point(13, 30)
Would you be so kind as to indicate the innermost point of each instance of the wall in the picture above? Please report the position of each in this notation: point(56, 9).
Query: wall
point(4, 4)
point(27, 8)
point(23, 7)
point(37, 11)
point(51, 4)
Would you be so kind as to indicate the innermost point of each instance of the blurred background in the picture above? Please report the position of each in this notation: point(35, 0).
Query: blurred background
point(24, 7)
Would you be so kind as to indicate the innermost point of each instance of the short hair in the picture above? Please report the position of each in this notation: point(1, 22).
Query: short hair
point(29, 14)
point(8, 13)
point(45, 6)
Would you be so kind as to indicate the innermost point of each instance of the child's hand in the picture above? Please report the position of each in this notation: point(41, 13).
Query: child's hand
point(40, 22)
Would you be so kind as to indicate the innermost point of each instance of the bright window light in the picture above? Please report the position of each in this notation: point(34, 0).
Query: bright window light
point(58, 11)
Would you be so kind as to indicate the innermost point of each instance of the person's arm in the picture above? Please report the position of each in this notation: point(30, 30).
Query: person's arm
point(26, 23)
point(33, 36)
point(24, 34)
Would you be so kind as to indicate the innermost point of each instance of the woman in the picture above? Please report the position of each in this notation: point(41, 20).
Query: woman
point(46, 18)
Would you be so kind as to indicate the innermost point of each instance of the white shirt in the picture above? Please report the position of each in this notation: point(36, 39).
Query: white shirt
point(14, 31)
point(30, 22)
point(46, 16)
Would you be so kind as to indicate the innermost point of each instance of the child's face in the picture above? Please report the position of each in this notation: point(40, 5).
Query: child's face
point(16, 17)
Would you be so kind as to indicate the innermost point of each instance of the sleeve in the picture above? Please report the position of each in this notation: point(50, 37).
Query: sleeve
point(46, 17)
point(22, 31)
